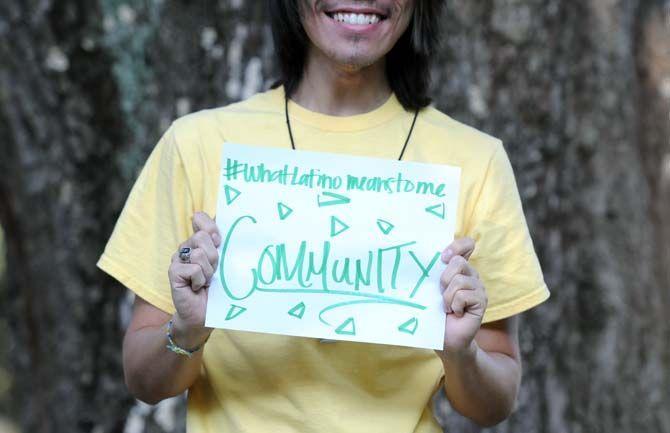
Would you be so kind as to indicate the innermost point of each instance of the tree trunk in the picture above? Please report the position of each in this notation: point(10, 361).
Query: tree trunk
point(578, 91)
point(60, 189)
point(565, 85)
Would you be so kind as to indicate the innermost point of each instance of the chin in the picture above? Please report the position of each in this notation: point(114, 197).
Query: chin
point(354, 59)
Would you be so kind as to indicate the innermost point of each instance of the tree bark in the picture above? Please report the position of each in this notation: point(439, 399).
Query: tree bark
point(60, 189)
point(564, 85)
point(578, 91)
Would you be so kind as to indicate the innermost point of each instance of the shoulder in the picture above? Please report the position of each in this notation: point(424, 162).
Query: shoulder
point(486, 173)
point(200, 133)
point(452, 129)
point(258, 106)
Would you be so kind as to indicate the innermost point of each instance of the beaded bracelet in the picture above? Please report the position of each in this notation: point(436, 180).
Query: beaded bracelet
point(177, 349)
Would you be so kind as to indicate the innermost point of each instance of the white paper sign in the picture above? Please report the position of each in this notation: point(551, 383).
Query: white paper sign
point(332, 246)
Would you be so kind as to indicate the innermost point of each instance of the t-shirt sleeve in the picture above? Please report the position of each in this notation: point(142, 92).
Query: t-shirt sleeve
point(504, 254)
point(155, 220)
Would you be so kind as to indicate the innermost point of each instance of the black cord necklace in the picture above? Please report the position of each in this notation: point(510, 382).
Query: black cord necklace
point(290, 133)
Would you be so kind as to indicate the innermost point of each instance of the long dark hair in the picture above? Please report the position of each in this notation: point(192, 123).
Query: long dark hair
point(407, 64)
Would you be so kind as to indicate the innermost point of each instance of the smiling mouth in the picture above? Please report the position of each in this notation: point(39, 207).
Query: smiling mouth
point(356, 18)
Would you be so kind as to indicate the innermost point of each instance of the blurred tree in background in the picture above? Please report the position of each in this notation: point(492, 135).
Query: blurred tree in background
point(578, 90)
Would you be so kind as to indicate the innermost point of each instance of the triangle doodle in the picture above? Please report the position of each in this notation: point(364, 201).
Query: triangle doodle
point(336, 199)
point(231, 194)
point(438, 210)
point(384, 226)
point(348, 327)
point(410, 326)
point(284, 211)
point(297, 311)
point(337, 226)
point(234, 311)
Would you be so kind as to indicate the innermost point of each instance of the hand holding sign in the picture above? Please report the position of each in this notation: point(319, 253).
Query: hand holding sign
point(464, 296)
point(189, 281)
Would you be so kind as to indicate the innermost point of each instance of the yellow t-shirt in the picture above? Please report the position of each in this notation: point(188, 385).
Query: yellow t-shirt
point(262, 383)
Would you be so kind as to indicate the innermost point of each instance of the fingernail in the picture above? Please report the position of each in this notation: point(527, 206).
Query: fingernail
point(216, 238)
point(446, 255)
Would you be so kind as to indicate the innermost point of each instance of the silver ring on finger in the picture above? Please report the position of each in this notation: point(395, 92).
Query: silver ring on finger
point(185, 254)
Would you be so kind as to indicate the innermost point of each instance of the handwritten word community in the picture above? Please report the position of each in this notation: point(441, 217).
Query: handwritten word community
point(273, 266)
point(313, 178)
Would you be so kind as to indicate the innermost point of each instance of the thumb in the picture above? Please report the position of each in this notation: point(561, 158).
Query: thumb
point(463, 247)
point(202, 221)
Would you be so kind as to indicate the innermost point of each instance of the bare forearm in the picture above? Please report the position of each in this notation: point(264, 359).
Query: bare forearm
point(480, 385)
point(152, 371)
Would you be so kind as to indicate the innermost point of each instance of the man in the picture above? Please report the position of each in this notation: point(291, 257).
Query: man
point(354, 80)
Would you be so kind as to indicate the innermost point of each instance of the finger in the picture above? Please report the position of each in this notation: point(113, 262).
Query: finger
point(202, 221)
point(199, 257)
point(469, 301)
point(203, 240)
point(459, 282)
point(459, 247)
point(187, 275)
point(457, 266)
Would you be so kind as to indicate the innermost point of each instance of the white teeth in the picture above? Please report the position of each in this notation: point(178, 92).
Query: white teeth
point(358, 19)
